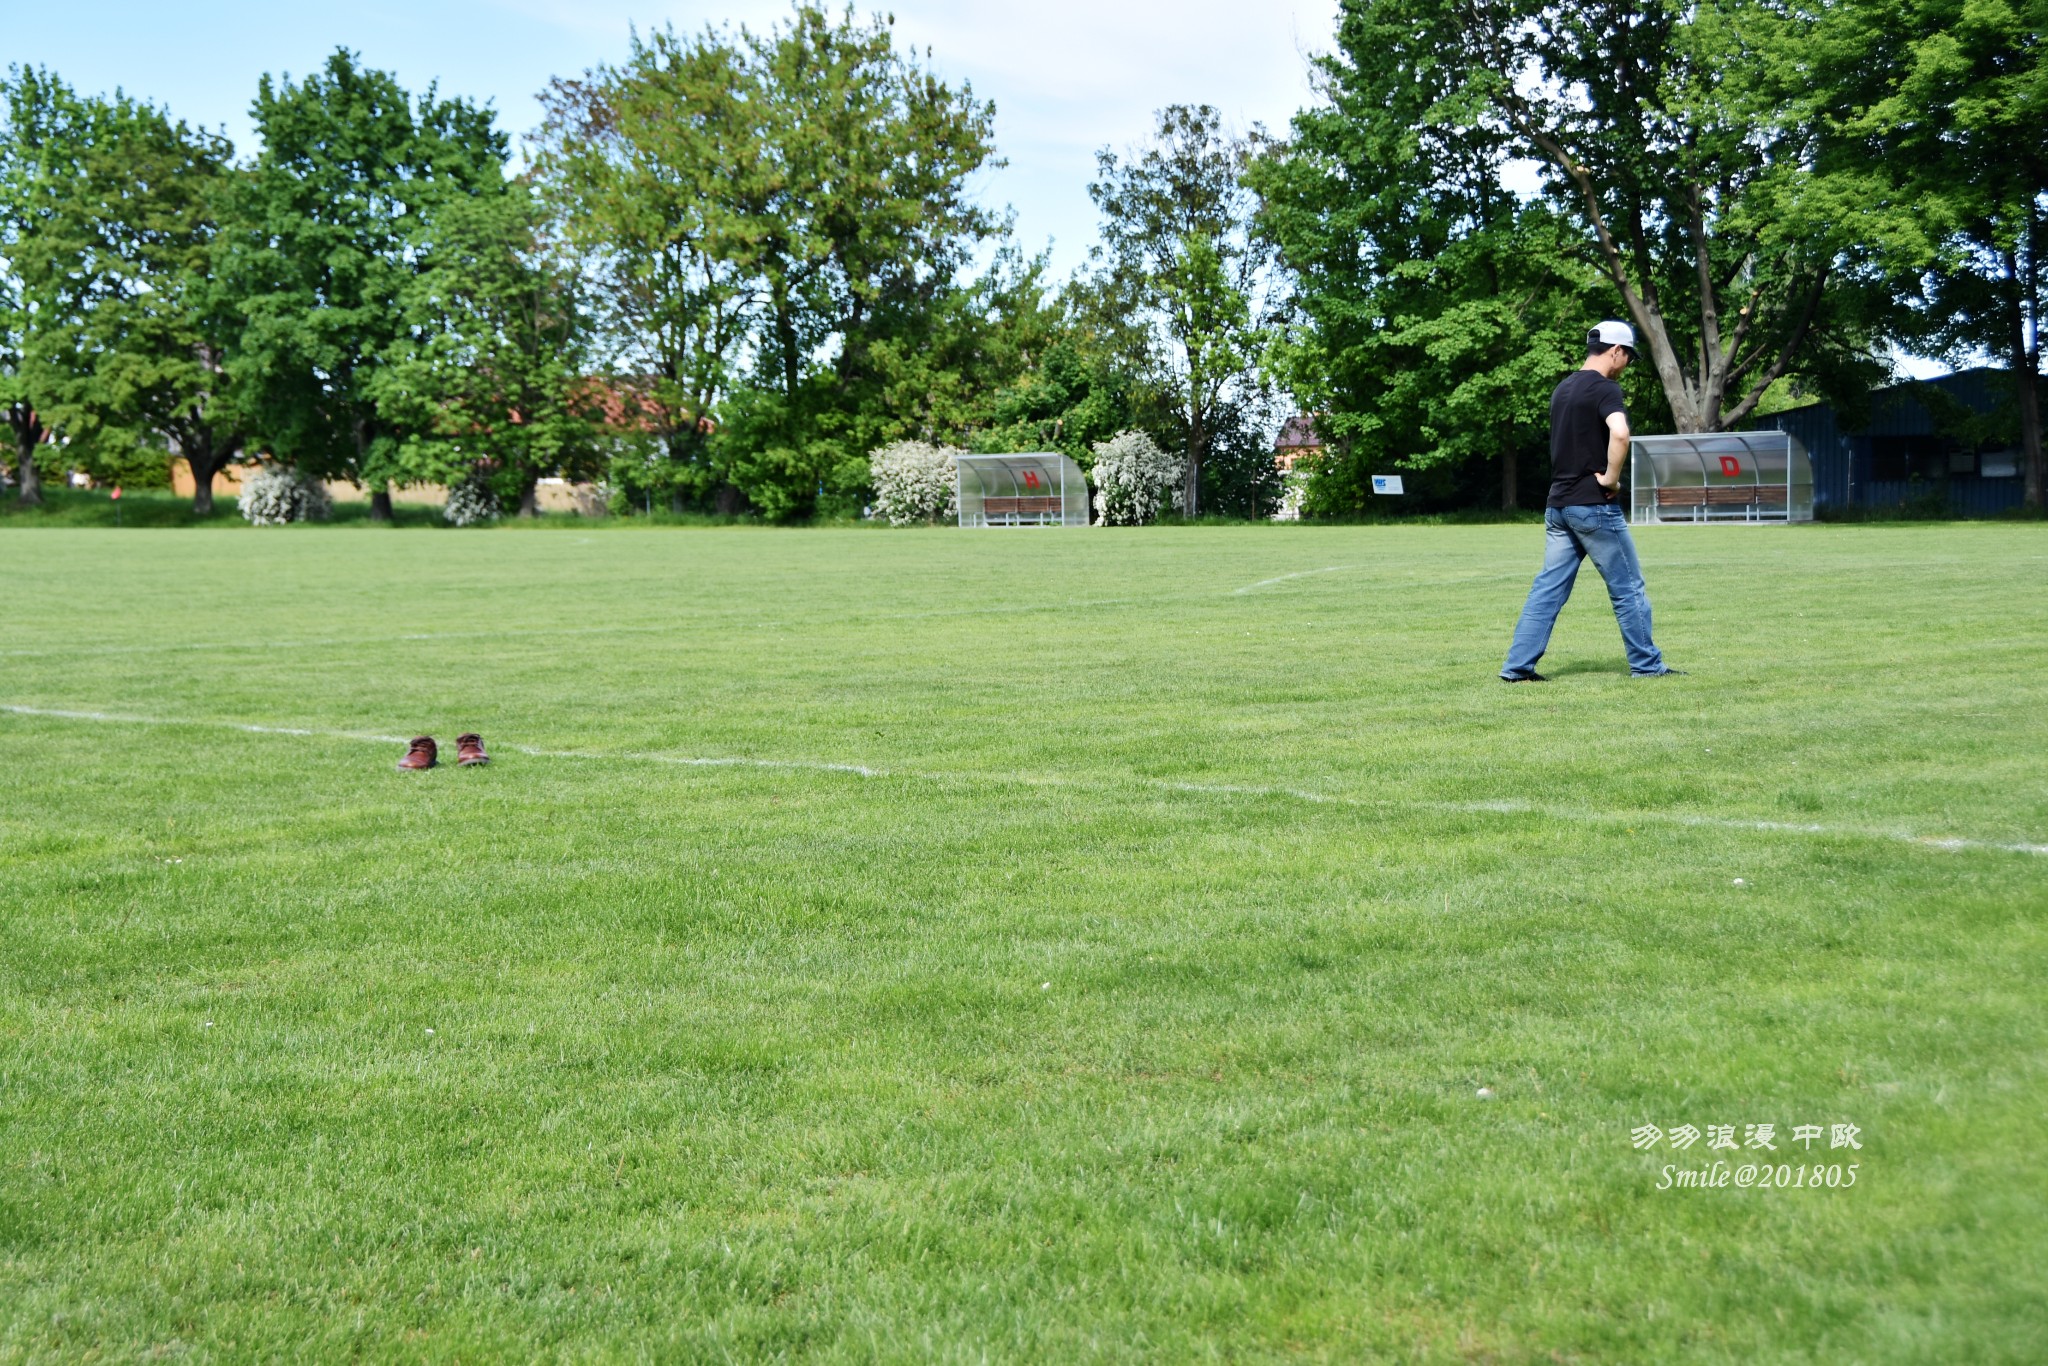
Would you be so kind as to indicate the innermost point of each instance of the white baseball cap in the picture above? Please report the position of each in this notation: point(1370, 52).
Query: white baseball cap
point(1612, 333)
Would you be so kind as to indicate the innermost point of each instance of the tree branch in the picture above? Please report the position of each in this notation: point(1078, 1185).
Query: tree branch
point(1785, 354)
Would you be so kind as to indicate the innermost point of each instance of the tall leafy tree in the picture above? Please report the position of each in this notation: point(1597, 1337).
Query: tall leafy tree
point(781, 221)
point(1182, 273)
point(1070, 394)
point(1949, 99)
point(860, 224)
point(643, 163)
point(340, 207)
point(46, 137)
point(137, 332)
point(492, 378)
point(1433, 310)
point(938, 371)
point(1687, 142)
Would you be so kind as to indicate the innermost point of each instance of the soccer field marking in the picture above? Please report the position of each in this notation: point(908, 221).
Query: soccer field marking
point(1430, 581)
point(1302, 574)
point(127, 720)
point(637, 756)
point(1504, 807)
point(702, 761)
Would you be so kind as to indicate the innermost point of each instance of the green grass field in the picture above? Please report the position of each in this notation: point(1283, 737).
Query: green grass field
point(1018, 946)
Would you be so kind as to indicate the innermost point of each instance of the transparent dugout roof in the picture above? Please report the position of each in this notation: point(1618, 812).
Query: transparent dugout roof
point(1720, 476)
point(1032, 488)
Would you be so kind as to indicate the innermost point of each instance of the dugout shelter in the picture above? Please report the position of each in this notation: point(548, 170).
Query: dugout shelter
point(1720, 477)
point(1039, 488)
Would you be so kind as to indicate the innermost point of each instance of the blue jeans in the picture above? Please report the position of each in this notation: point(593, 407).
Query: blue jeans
point(1569, 536)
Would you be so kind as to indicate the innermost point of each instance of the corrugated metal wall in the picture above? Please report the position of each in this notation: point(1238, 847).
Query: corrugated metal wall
point(1842, 475)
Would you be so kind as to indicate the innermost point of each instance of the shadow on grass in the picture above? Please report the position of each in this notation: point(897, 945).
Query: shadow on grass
point(1577, 667)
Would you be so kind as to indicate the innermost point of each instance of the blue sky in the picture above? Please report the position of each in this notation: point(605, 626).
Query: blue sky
point(1067, 76)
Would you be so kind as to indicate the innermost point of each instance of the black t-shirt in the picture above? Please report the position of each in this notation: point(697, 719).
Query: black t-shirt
point(1579, 409)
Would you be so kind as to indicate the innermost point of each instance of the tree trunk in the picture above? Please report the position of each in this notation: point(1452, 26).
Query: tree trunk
point(380, 495)
point(31, 482)
point(529, 495)
point(1508, 471)
point(1198, 446)
point(206, 458)
point(728, 501)
point(28, 434)
point(2026, 367)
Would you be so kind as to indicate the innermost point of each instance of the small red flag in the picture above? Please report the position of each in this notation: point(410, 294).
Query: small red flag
point(117, 490)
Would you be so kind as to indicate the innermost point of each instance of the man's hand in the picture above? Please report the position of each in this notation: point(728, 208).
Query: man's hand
point(1617, 453)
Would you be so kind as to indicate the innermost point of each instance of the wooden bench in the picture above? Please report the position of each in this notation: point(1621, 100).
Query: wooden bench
point(1020, 507)
point(1701, 497)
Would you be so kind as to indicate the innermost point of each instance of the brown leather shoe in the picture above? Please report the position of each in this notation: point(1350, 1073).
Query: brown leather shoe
point(422, 754)
point(469, 750)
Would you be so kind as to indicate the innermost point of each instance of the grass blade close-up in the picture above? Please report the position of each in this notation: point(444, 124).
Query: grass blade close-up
point(1171, 944)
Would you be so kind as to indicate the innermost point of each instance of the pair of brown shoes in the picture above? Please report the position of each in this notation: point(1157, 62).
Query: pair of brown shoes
point(469, 753)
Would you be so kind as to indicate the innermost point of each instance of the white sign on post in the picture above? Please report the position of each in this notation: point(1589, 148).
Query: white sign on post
point(1386, 483)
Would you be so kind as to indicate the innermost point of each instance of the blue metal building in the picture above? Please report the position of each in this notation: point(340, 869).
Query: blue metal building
point(1903, 456)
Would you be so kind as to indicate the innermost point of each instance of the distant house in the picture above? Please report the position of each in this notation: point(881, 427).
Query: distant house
point(1908, 451)
point(1298, 441)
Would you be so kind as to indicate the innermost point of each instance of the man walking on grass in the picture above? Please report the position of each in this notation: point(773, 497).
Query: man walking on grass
point(1588, 447)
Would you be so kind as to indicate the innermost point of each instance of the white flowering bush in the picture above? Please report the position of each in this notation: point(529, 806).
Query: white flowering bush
point(915, 482)
point(471, 502)
point(273, 495)
point(1134, 479)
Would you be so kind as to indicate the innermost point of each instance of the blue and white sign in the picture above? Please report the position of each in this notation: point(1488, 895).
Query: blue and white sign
point(1386, 483)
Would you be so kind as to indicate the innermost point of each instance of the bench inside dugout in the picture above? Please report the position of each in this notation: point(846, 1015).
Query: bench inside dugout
point(1720, 477)
point(1039, 488)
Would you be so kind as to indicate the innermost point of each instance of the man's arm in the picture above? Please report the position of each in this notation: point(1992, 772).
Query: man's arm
point(1617, 452)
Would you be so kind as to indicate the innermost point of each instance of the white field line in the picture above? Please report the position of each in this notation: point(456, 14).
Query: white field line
point(217, 725)
point(1944, 844)
point(1268, 583)
point(697, 761)
point(690, 761)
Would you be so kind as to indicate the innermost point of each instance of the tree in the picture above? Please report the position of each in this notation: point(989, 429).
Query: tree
point(641, 163)
point(135, 336)
point(491, 377)
point(1069, 396)
point(782, 221)
point(45, 137)
point(1433, 310)
point(861, 226)
point(340, 207)
point(938, 372)
point(1182, 268)
point(1686, 140)
point(1949, 100)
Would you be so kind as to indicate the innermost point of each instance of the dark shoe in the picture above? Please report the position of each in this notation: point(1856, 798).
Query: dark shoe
point(1530, 677)
point(422, 754)
point(1661, 673)
point(469, 751)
